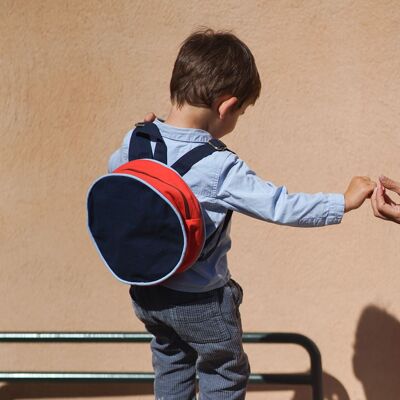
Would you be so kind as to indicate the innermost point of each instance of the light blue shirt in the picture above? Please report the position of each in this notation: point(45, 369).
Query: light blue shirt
point(221, 182)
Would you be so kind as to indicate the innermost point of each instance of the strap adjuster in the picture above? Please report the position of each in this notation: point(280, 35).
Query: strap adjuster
point(217, 145)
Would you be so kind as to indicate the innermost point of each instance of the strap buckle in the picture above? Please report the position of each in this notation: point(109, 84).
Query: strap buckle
point(217, 145)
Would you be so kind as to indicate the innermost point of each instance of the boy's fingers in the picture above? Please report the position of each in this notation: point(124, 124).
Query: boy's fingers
point(390, 184)
point(370, 186)
point(149, 117)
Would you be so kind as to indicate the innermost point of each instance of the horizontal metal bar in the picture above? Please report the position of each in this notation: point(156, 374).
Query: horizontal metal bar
point(77, 376)
point(142, 377)
point(276, 379)
point(253, 337)
point(75, 337)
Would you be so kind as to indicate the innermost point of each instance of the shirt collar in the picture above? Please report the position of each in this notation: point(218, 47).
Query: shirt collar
point(182, 134)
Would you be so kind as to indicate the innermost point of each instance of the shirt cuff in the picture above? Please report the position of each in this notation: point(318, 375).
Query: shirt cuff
point(335, 208)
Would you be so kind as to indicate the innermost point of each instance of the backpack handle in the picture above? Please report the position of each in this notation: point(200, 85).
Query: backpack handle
point(140, 145)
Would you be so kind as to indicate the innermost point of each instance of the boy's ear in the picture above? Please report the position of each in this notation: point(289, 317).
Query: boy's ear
point(226, 105)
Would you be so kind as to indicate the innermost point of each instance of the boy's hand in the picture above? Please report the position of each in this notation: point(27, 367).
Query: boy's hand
point(359, 189)
point(150, 117)
point(383, 206)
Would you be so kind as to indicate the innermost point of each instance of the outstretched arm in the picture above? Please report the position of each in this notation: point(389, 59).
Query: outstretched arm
point(240, 189)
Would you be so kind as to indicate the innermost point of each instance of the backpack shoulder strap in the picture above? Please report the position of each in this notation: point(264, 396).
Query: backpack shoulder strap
point(140, 144)
point(183, 165)
point(212, 242)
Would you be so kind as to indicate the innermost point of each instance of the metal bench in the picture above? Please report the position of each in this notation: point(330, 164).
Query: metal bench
point(313, 378)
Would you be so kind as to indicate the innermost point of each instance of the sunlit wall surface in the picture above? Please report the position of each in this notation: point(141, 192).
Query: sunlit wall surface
point(74, 78)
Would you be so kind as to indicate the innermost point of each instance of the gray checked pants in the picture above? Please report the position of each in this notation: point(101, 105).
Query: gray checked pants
point(195, 333)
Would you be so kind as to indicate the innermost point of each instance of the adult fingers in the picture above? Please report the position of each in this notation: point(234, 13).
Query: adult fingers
point(374, 205)
point(390, 184)
point(387, 210)
point(388, 200)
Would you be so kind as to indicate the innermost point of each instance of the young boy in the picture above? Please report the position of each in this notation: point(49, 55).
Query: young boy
point(194, 316)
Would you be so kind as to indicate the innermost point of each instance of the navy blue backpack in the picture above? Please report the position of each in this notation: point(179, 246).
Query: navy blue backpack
point(144, 220)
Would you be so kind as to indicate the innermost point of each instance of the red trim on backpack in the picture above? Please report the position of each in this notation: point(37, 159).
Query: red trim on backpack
point(174, 188)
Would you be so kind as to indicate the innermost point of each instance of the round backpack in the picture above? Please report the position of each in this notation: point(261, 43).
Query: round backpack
point(144, 220)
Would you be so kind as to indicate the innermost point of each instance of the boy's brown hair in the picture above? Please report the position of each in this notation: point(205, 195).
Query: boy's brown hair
point(211, 64)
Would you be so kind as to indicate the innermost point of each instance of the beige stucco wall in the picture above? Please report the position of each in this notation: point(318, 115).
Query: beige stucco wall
point(76, 75)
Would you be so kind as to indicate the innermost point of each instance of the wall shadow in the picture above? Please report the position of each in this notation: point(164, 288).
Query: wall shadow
point(333, 390)
point(376, 359)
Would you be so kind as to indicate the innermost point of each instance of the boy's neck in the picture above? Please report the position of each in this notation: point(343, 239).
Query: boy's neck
point(191, 117)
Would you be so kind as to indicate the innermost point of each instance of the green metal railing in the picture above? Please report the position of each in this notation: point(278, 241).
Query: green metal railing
point(313, 378)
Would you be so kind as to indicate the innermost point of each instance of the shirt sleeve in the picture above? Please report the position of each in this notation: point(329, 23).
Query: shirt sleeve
point(121, 155)
point(240, 189)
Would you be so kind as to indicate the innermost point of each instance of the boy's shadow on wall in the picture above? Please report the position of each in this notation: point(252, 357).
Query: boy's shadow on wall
point(376, 359)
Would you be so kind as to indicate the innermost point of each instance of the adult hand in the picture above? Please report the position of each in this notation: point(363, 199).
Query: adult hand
point(383, 206)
